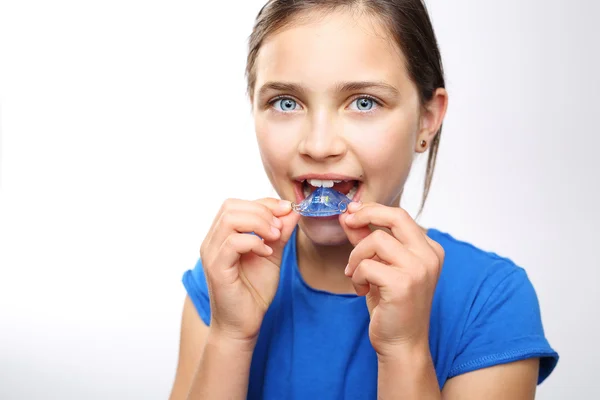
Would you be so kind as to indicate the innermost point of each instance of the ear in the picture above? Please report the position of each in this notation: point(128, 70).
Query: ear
point(432, 116)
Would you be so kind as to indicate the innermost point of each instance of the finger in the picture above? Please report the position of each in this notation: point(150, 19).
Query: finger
point(382, 245)
point(230, 205)
point(400, 223)
point(437, 248)
point(439, 253)
point(371, 272)
point(244, 222)
point(277, 207)
point(237, 244)
point(289, 222)
point(355, 235)
point(280, 209)
point(268, 208)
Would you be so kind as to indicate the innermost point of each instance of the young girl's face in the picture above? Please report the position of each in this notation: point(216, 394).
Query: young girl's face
point(333, 100)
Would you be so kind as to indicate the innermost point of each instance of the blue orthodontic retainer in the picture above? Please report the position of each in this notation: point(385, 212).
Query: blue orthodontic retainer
point(323, 202)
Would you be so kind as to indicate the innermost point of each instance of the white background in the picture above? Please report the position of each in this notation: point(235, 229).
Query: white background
point(124, 124)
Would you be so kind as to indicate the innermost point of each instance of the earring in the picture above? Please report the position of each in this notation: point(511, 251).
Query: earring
point(423, 143)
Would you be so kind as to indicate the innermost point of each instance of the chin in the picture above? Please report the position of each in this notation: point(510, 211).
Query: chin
point(323, 232)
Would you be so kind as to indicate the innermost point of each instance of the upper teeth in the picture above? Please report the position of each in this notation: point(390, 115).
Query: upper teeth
point(322, 182)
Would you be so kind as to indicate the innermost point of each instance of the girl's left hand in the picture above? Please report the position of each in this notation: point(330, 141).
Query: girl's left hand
point(397, 268)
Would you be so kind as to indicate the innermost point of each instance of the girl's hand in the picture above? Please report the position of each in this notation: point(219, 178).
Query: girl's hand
point(397, 268)
point(242, 270)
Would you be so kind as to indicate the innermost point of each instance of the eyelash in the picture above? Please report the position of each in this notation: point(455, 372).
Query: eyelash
point(282, 97)
point(362, 96)
point(366, 96)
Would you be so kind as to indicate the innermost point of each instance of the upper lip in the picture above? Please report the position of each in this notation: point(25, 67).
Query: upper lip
point(327, 177)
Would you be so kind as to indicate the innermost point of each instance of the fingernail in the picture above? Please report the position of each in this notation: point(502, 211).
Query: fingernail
point(285, 204)
point(275, 231)
point(355, 205)
point(347, 269)
point(277, 222)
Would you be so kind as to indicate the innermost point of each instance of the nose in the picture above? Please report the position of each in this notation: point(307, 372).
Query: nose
point(323, 140)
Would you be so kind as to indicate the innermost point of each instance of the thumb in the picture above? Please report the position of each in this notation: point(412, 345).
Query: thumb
point(277, 207)
point(355, 235)
point(282, 209)
point(289, 222)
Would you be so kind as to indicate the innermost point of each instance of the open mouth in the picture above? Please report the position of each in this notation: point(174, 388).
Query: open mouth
point(347, 187)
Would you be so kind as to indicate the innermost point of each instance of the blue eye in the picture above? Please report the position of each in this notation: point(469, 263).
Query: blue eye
point(364, 103)
point(285, 104)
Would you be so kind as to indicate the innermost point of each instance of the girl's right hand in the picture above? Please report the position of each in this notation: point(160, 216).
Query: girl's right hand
point(242, 270)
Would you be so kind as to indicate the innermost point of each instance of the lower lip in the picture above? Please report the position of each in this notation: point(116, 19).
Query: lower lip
point(330, 218)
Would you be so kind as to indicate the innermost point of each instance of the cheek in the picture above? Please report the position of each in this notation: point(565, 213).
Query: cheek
point(387, 152)
point(386, 146)
point(276, 142)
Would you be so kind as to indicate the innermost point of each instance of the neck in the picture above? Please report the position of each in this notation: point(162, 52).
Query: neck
point(322, 267)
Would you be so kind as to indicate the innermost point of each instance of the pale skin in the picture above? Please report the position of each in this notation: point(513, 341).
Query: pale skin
point(320, 86)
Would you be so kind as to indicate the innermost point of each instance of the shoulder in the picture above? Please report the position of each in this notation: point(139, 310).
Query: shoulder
point(196, 286)
point(476, 279)
point(486, 305)
point(466, 265)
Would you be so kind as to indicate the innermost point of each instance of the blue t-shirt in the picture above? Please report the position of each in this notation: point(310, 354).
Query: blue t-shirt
point(315, 344)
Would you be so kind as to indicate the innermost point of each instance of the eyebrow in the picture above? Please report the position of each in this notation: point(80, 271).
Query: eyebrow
point(280, 87)
point(362, 85)
point(341, 87)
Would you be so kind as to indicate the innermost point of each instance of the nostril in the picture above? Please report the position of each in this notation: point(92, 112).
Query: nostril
point(322, 146)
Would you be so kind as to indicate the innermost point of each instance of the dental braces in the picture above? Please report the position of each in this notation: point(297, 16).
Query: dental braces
point(323, 202)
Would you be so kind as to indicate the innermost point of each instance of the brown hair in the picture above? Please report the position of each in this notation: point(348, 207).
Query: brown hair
point(408, 22)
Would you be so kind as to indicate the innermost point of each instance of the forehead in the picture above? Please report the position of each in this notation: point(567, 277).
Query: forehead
point(324, 49)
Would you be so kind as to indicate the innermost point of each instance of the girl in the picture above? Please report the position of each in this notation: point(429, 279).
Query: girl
point(367, 304)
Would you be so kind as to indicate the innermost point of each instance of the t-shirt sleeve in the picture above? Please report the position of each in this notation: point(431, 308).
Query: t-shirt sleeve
point(504, 325)
point(194, 282)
